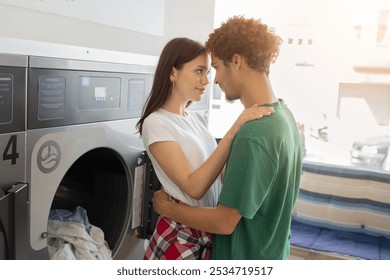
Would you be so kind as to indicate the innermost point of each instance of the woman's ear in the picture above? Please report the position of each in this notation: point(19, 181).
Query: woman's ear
point(173, 74)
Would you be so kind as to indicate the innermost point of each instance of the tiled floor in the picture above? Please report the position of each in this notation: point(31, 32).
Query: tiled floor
point(133, 249)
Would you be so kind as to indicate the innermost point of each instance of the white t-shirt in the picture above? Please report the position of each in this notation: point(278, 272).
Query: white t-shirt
point(195, 140)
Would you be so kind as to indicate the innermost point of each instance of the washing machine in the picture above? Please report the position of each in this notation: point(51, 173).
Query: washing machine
point(13, 189)
point(68, 139)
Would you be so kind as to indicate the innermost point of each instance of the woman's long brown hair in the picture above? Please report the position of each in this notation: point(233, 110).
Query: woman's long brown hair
point(175, 54)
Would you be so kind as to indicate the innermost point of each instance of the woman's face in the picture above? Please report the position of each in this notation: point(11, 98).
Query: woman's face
point(190, 82)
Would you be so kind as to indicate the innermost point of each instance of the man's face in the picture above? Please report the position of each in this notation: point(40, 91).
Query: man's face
point(224, 78)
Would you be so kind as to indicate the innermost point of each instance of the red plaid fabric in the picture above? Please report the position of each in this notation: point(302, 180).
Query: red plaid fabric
point(175, 241)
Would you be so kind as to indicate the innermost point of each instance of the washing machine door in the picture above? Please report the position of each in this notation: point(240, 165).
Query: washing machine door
point(4, 225)
point(14, 213)
point(146, 183)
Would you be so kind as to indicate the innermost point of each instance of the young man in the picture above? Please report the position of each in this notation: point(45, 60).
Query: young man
point(252, 219)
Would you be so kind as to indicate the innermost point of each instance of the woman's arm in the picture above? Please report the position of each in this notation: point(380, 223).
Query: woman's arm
point(195, 183)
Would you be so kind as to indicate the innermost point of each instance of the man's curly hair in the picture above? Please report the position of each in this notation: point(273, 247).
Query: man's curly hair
point(250, 38)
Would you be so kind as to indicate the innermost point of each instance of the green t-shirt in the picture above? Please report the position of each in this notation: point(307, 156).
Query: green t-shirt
point(262, 181)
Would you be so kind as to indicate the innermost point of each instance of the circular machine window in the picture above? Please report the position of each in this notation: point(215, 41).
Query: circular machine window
point(98, 182)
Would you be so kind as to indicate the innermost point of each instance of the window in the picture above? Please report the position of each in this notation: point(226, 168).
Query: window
point(333, 72)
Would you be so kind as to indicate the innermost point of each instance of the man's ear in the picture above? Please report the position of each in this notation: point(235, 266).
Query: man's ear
point(237, 61)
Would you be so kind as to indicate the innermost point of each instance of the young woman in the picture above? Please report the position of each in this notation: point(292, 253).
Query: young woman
point(184, 154)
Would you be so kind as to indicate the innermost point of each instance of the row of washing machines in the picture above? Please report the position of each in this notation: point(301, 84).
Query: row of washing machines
point(68, 139)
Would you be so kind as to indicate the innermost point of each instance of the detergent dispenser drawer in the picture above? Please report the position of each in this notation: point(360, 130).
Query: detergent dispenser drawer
point(14, 205)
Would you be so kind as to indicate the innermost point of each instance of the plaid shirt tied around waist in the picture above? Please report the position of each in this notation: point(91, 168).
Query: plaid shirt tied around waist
point(174, 241)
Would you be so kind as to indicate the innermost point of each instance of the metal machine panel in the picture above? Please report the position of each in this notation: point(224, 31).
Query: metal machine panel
point(13, 158)
point(82, 144)
point(14, 208)
point(84, 65)
point(13, 60)
point(12, 98)
point(67, 138)
point(67, 97)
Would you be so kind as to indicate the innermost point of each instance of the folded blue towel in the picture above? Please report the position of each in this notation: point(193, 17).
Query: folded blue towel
point(342, 242)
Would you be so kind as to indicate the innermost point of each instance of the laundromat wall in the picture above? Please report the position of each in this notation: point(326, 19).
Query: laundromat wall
point(67, 122)
point(189, 18)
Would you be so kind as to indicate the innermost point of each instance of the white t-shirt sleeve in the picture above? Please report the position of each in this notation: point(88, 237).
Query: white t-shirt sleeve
point(156, 130)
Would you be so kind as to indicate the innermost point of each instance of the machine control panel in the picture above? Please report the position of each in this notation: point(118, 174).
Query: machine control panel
point(12, 97)
point(5, 98)
point(59, 97)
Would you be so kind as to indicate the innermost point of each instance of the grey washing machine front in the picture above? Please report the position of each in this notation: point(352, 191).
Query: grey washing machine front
point(13, 77)
point(82, 144)
point(14, 200)
point(68, 139)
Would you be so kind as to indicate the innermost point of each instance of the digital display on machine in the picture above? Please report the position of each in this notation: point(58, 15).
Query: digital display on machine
point(99, 93)
point(51, 100)
point(5, 98)
point(136, 97)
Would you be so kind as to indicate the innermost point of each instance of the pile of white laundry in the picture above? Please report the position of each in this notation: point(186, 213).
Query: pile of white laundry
point(72, 237)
